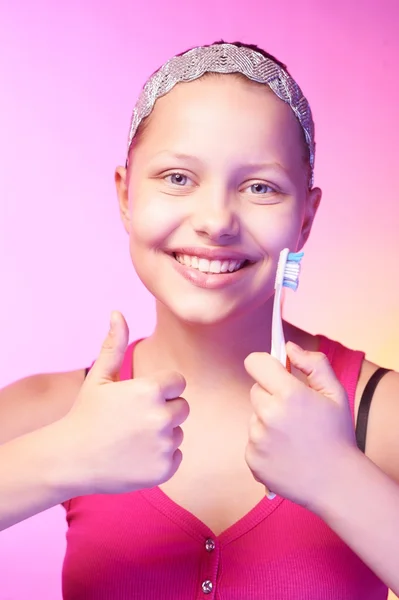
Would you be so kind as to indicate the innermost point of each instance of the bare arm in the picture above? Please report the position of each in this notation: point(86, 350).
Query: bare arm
point(34, 474)
point(363, 508)
point(33, 450)
point(36, 401)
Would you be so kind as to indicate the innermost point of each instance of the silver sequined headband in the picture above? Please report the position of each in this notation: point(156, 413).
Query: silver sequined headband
point(226, 58)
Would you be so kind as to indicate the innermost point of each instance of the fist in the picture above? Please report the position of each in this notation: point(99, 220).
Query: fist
point(298, 433)
point(126, 434)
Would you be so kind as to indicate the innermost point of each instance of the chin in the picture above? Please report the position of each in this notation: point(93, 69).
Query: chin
point(202, 319)
point(205, 311)
point(200, 312)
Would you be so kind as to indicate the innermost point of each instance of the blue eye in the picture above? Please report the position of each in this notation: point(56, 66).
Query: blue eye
point(177, 179)
point(261, 188)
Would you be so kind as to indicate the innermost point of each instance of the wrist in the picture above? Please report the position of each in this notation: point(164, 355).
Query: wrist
point(61, 471)
point(341, 476)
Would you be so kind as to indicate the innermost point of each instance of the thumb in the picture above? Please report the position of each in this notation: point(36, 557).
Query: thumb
point(318, 370)
point(109, 362)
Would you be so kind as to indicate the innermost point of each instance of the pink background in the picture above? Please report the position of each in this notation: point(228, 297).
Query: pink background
point(70, 73)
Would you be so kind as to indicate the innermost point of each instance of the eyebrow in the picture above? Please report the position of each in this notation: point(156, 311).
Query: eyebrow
point(275, 166)
point(177, 155)
point(253, 166)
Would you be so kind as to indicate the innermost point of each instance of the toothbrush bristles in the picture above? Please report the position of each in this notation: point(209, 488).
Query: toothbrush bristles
point(292, 270)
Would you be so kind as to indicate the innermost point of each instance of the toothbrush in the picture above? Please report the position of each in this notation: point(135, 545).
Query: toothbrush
point(288, 269)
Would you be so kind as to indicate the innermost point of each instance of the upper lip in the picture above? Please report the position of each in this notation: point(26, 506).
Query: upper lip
point(212, 253)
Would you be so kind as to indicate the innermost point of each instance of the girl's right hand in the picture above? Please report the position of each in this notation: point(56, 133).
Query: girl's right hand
point(123, 435)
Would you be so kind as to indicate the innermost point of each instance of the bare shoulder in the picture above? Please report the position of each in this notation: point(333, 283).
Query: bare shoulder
point(382, 445)
point(36, 401)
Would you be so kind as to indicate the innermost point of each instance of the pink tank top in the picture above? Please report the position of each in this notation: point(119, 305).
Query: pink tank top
point(143, 545)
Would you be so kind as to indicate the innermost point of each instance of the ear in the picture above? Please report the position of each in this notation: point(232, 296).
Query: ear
point(122, 190)
point(312, 204)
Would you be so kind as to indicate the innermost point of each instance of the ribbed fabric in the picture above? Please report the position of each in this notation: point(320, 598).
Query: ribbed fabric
point(143, 545)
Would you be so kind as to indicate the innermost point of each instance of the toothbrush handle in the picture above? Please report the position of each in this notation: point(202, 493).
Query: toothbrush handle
point(270, 495)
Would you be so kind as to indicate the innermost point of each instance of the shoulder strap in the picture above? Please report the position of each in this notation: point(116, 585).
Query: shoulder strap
point(364, 407)
point(346, 364)
point(127, 365)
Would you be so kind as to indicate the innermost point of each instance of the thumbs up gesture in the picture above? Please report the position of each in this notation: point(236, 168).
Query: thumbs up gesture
point(298, 433)
point(126, 434)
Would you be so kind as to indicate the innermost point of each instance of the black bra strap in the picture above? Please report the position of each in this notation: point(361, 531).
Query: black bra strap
point(364, 407)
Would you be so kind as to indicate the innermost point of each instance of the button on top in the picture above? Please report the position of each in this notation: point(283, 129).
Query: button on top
point(209, 545)
point(207, 586)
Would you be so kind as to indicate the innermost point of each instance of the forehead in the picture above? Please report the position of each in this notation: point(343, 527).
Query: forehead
point(226, 115)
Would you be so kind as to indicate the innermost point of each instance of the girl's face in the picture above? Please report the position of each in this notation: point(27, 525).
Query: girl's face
point(217, 187)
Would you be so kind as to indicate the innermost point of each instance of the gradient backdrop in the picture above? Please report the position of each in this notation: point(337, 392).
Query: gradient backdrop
point(69, 75)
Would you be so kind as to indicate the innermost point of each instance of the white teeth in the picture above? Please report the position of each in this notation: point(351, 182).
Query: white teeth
point(207, 266)
point(225, 266)
point(204, 265)
point(232, 265)
point(216, 266)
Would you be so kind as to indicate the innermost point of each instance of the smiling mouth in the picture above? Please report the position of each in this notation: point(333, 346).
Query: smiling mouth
point(216, 267)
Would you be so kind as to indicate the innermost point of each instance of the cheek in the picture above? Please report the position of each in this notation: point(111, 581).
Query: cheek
point(153, 219)
point(277, 227)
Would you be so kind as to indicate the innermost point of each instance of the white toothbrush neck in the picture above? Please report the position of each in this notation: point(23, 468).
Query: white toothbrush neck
point(278, 340)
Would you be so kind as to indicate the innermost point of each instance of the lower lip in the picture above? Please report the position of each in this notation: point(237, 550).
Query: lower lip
point(210, 281)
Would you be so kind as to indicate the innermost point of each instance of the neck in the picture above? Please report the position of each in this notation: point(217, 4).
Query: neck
point(217, 351)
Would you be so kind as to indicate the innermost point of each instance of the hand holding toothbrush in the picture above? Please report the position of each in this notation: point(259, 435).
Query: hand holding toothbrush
point(299, 434)
point(266, 390)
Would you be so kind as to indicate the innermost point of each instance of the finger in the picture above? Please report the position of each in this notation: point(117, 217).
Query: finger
point(253, 419)
point(318, 370)
point(257, 435)
point(178, 410)
point(175, 464)
point(177, 438)
point(269, 373)
point(171, 384)
point(257, 432)
point(261, 401)
point(110, 360)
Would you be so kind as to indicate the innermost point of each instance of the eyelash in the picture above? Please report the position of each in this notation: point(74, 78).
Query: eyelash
point(271, 189)
point(176, 173)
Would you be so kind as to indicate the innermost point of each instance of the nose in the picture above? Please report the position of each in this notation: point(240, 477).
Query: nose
point(215, 217)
